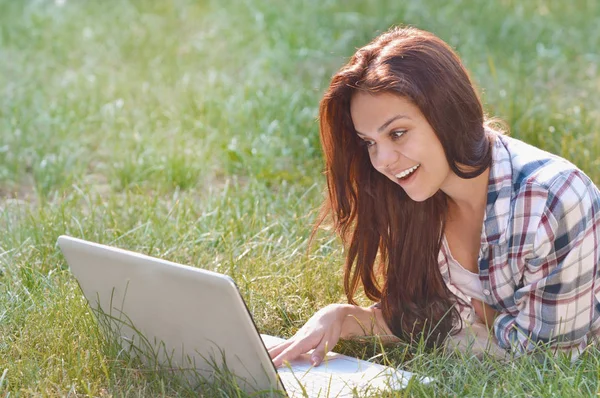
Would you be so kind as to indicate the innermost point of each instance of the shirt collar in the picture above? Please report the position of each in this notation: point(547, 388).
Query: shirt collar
point(499, 192)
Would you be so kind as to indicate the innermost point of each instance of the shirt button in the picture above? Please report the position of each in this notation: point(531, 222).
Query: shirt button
point(486, 292)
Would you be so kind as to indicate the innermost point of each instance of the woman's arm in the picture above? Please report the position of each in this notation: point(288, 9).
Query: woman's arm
point(324, 329)
point(360, 321)
point(558, 301)
point(485, 312)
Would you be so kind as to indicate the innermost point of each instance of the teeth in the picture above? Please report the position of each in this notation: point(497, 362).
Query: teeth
point(407, 171)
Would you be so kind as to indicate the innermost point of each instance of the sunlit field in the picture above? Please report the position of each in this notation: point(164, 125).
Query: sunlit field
point(187, 130)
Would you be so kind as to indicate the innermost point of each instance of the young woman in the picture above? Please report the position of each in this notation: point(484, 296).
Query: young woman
point(447, 223)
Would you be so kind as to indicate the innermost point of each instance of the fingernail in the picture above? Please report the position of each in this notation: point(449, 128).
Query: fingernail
point(315, 361)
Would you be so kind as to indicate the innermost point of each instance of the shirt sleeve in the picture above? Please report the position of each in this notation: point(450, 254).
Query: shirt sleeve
point(557, 300)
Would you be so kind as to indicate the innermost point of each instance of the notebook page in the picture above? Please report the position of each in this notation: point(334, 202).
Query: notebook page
point(338, 375)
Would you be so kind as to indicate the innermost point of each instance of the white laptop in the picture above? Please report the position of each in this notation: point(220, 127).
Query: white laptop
point(195, 321)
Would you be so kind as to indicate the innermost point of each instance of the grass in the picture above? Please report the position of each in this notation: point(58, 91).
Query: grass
point(186, 130)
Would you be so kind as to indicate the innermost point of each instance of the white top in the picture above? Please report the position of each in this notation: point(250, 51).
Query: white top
point(466, 281)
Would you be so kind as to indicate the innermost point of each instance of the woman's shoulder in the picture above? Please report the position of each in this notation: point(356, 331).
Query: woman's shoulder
point(528, 184)
point(532, 167)
point(536, 192)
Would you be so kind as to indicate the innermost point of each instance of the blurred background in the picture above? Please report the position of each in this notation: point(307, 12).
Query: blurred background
point(187, 130)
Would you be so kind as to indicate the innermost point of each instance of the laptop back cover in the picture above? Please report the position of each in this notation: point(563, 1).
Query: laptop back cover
point(179, 316)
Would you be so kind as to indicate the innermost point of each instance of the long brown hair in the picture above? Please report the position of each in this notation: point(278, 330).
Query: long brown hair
point(376, 219)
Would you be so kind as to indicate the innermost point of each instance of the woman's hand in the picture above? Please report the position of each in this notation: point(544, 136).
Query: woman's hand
point(321, 333)
point(486, 313)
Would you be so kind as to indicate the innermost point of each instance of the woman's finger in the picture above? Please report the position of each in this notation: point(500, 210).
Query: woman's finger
point(325, 345)
point(278, 348)
point(319, 353)
point(295, 349)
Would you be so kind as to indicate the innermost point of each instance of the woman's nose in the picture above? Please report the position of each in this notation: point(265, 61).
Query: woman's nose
point(384, 158)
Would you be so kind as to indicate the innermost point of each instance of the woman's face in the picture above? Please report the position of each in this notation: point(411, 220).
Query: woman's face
point(401, 143)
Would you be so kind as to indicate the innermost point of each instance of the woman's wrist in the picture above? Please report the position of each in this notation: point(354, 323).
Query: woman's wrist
point(356, 321)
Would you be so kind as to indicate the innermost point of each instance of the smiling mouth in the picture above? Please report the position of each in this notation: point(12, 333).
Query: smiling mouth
point(404, 174)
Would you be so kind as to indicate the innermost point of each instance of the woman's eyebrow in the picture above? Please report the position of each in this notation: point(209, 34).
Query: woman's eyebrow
point(390, 121)
point(387, 123)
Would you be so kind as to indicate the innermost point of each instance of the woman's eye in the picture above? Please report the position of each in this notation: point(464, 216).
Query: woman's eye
point(368, 143)
point(397, 133)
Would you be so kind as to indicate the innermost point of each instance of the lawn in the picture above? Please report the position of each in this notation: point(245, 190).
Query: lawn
point(187, 130)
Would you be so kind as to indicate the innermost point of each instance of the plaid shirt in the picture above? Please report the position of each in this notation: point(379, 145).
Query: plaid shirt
point(540, 250)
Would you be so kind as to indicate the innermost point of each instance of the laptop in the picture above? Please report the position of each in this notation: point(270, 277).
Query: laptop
point(195, 322)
